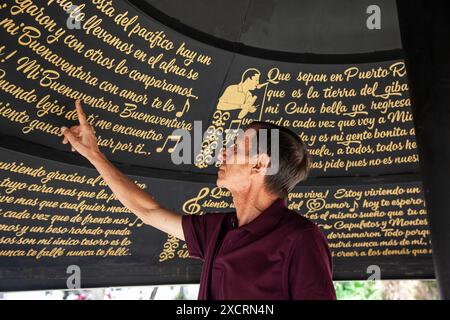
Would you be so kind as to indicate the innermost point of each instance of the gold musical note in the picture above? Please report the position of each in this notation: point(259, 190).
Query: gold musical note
point(355, 206)
point(186, 107)
point(172, 138)
point(238, 121)
point(231, 133)
point(134, 223)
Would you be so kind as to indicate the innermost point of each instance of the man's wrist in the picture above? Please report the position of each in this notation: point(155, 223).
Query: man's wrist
point(96, 157)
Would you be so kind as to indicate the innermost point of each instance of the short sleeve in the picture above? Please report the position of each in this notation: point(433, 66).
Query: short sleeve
point(199, 232)
point(310, 270)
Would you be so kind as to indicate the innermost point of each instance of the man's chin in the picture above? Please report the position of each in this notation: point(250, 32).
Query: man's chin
point(220, 182)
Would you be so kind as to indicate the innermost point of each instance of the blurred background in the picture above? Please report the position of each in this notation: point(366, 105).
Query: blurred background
point(345, 290)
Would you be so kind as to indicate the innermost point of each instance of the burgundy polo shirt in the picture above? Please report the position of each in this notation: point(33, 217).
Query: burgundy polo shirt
point(280, 255)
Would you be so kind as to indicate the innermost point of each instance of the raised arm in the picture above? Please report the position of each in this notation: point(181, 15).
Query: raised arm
point(82, 139)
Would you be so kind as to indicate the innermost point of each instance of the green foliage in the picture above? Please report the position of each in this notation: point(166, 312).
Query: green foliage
point(181, 295)
point(358, 290)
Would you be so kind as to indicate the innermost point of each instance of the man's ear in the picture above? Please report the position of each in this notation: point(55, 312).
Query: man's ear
point(261, 164)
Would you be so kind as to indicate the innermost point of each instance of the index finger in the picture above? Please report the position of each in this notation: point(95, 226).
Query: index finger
point(80, 113)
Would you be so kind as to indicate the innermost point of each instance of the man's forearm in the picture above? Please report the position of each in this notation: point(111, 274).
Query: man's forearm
point(82, 139)
point(127, 192)
point(137, 200)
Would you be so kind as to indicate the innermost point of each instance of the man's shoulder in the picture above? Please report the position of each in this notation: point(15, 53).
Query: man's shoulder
point(204, 221)
point(218, 214)
point(296, 224)
point(214, 215)
point(299, 231)
point(298, 221)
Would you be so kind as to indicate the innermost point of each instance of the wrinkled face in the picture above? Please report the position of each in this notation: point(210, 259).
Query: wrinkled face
point(235, 172)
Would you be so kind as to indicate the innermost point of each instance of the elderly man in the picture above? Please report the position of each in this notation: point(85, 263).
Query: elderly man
point(263, 250)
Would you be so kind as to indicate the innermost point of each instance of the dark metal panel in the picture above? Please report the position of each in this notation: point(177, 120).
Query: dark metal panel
point(307, 26)
point(425, 29)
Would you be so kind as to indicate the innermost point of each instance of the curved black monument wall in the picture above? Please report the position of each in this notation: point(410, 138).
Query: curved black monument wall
point(339, 85)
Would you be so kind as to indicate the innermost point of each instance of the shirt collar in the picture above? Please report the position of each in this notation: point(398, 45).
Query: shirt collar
point(267, 219)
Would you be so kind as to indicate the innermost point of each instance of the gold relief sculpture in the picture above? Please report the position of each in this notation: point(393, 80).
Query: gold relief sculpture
point(209, 144)
point(238, 103)
point(169, 248)
point(183, 253)
point(235, 97)
point(239, 96)
point(314, 205)
point(191, 206)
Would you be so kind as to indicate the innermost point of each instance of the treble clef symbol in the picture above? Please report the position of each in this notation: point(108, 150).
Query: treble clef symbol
point(191, 206)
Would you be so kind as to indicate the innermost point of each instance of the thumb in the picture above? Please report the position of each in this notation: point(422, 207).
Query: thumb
point(71, 137)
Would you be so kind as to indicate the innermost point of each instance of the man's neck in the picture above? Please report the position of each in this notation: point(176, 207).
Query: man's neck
point(250, 205)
